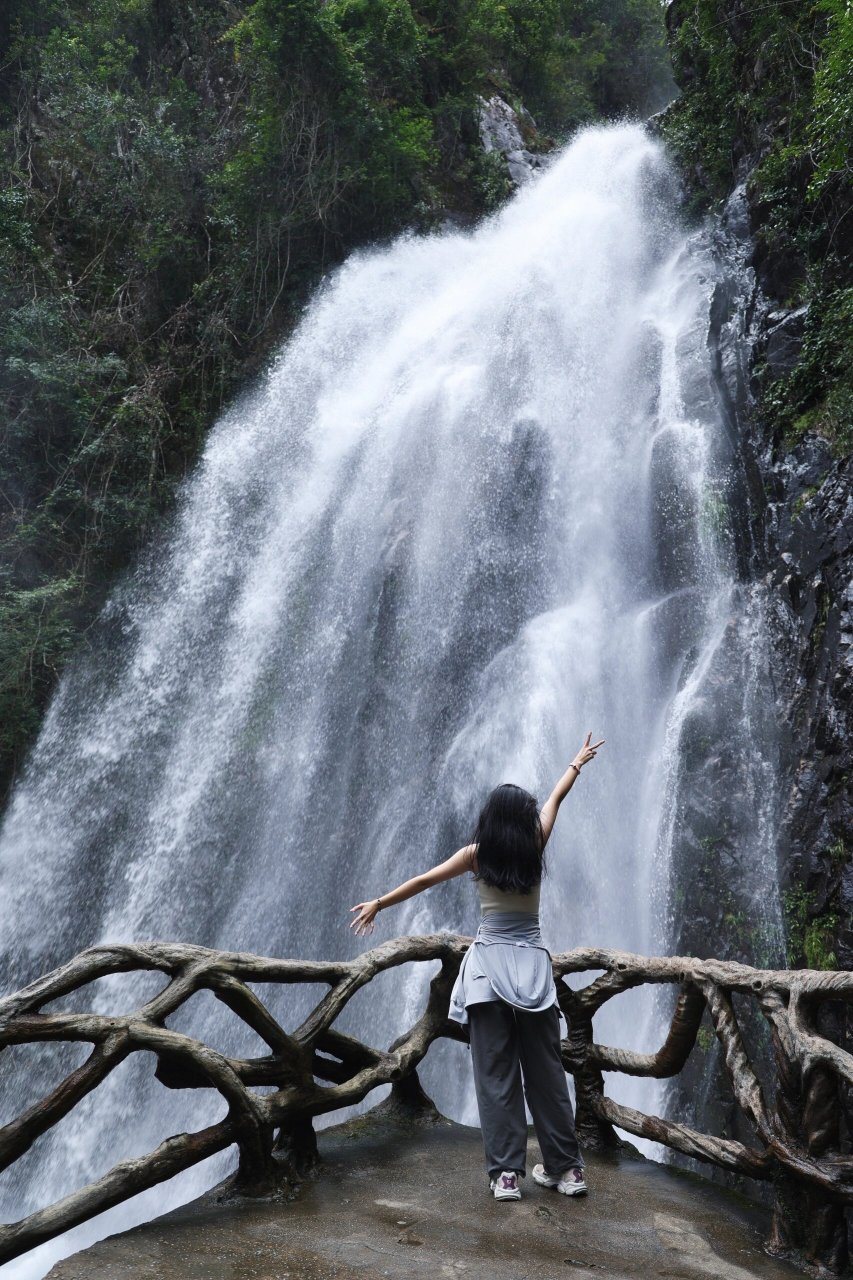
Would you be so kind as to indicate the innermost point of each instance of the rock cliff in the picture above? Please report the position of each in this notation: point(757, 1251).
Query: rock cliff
point(750, 131)
point(780, 336)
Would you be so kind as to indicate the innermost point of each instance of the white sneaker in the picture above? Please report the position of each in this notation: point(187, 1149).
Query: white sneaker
point(570, 1184)
point(505, 1186)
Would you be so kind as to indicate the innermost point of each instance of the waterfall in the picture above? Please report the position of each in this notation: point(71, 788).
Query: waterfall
point(476, 507)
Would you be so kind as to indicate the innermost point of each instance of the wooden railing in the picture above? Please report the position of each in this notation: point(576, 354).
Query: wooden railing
point(796, 1142)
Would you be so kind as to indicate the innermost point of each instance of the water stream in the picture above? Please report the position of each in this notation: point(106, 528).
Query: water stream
point(475, 508)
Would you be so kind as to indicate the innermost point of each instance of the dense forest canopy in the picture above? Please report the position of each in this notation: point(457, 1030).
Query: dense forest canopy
point(176, 179)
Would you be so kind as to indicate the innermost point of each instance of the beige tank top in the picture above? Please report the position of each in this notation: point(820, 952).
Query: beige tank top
point(494, 899)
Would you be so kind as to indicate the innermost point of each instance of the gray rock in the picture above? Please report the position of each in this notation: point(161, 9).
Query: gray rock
point(735, 216)
point(499, 129)
point(785, 340)
point(500, 132)
point(796, 540)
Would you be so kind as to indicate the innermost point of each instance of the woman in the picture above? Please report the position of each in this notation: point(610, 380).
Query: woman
point(505, 989)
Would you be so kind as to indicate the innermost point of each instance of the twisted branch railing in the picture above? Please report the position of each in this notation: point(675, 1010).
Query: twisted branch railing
point(796, 1141)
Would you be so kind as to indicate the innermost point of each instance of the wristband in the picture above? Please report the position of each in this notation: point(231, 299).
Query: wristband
point(575, 766)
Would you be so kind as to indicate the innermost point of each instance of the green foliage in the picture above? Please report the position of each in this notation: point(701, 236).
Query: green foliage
point(704, 63)
point(802, 501)
point(829, 131)
point(489, 179)
point(574, 61)
point(811, 936)
point(744, 75)
point(838, 853)
point(818, 942)
point(37, 633)
point(817, 395)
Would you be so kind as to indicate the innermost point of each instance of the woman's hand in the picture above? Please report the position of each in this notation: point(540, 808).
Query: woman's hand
point(461, 860)
point(364, 921)
point(587, 752)
point(551, 807)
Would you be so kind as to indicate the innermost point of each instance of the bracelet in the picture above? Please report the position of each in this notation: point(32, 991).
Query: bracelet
point(378, 904)
point(575, 766)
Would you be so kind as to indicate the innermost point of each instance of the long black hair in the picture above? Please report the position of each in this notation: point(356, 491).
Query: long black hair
point(508, 837)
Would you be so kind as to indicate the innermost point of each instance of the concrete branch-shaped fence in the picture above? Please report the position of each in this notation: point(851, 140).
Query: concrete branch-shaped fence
point(796, 1141)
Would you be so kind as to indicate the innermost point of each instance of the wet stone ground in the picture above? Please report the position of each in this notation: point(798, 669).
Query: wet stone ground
point(393, 1200)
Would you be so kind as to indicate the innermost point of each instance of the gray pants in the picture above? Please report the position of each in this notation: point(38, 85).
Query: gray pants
point(505, 1042)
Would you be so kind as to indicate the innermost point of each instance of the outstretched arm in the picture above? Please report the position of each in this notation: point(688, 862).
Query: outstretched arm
point(551, 807)
point(455, 865)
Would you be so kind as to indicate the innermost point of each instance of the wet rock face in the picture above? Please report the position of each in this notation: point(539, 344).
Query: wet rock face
point(800, 544)
point(796, 523)
point(784, 339)
point(794, 542)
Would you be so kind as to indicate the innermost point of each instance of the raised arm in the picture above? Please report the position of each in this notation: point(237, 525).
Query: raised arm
point(551, 807)
point(460, 861)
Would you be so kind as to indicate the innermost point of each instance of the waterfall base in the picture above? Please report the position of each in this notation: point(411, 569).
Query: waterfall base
point(398, 1199)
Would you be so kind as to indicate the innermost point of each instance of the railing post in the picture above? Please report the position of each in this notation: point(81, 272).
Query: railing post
point(256, 1173)
point(296, 1148)
point(593, 1133)
point(826, 1245)
point(806, 1221)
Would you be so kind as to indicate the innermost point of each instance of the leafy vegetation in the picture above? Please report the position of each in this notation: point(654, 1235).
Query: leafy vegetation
point(768, 89)
point(177, 177)
point(810, 935)
point(818, 394)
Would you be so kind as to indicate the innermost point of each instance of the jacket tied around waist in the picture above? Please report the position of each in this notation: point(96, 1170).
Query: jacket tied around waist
point(506, 961)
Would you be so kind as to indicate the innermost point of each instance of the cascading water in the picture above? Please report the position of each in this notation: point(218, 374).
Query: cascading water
point(463, 520)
